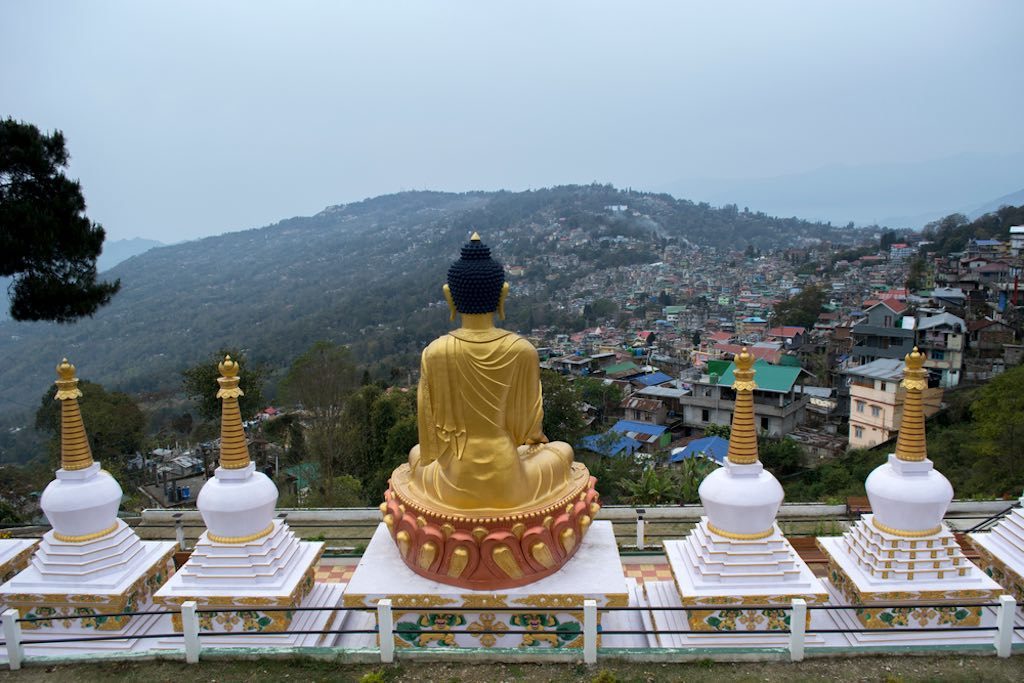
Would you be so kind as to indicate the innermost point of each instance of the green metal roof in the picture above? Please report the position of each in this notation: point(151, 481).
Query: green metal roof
point(718, 367)
point(789, 361)
point(767, 377)
point(621, 367)
point(306, 474)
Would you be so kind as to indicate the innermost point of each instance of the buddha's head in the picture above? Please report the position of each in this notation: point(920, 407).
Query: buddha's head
point(476, 282)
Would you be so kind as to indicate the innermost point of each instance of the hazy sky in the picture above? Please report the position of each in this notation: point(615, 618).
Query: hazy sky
point(193, 118)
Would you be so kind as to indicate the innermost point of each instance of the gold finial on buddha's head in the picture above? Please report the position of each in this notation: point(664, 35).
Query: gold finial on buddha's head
point(75, 453)
point(911, 444)
point(743, 436)
point(475, 237)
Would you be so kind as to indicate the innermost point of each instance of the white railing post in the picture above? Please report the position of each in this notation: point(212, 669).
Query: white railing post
point(190, 629)
point(640, 529)
point(590, 632)
point(1004, 622)
point(797, 629)
point(12, 634)
point(385, 631)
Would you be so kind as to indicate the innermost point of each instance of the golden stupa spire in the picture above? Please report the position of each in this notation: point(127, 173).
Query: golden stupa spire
point(234, 453)
point(743, 436)
point(75, 453)
point(475, 237)
point(910, 444)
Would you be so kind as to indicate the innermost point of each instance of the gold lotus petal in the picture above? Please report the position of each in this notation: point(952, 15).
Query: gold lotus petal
point(427, 554)
point(542, 553)
point(506, 561)
point(460, 558)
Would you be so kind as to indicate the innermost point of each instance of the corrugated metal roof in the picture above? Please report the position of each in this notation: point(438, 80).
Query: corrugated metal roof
point(767, 377)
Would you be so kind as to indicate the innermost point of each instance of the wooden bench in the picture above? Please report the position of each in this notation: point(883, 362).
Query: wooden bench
point(858, 505)
point(970, 552)
point(807, 548)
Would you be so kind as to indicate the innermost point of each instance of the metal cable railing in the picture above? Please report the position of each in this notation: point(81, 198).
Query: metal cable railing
point(792, 635)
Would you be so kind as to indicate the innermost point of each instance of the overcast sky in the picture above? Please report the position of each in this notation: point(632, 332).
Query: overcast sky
point(187, 119)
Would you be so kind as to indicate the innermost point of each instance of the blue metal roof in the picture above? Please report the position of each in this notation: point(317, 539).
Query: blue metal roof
point(712, 447)
point(645, 432)
point(622, 445)
point(651, 379)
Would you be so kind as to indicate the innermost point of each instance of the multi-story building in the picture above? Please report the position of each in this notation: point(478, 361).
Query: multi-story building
point(942, 340)
point(900, 251)
point(881, 333)
point(876, 401)
point(642, 409)
point(779, 407)
point(1017, 240)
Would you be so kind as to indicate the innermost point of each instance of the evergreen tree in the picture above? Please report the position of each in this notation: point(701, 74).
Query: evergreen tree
point(200, 384)
point(47, 243)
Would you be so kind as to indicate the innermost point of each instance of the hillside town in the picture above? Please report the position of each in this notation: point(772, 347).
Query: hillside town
point(830, 383)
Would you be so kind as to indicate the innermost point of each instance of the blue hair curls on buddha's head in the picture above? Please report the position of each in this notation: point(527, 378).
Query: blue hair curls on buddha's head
point(476, 279)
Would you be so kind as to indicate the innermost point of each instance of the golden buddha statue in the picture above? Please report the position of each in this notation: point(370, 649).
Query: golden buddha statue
point(483, 469)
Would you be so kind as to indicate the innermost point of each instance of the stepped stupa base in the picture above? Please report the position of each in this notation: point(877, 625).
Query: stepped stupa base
point(320, 596)
point(1001, 553)
point(729, 573)
point(273, 571)
point(418, 604)
point(78, 583)
point(15, 554)
point(869, 565)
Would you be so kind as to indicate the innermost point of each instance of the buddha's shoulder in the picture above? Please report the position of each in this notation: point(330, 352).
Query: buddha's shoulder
point(495, 338)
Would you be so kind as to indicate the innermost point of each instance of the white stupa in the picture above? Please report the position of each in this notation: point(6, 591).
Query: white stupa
point(903, 552)
point(91, 563)
point(737, 554)
point(1001, 551)
point(246, 558)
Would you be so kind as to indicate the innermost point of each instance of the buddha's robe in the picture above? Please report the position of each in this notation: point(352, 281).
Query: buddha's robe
point(480, 414)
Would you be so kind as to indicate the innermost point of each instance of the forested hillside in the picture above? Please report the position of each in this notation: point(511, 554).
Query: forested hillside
point(366, 274)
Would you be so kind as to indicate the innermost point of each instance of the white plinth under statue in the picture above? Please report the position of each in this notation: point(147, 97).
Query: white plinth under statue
point(246, 560)
point(90, 566)
point(1001, 551)
point(904, 553)
point(556, 601)
point(736, 556)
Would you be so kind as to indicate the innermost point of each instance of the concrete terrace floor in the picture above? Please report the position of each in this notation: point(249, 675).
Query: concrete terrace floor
point(644, 567)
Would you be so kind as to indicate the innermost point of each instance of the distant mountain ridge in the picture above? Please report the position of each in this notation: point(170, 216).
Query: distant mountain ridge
point(365, 274)
point(904, 195)
point(1012, 199)
point(115, 251)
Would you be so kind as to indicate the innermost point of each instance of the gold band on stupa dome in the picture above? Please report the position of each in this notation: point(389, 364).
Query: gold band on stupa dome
point(903, 533)
point(740, 537)
point(241, 539)
point(64, 538)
